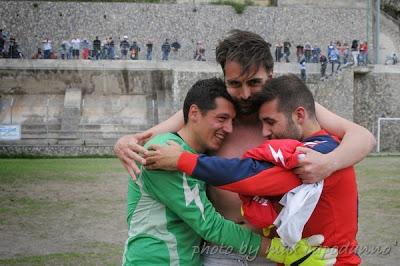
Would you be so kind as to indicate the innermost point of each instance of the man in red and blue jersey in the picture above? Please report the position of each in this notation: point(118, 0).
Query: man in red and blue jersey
point(263, 174)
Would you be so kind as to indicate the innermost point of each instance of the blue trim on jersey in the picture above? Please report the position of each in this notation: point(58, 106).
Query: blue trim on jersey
point(218, 171)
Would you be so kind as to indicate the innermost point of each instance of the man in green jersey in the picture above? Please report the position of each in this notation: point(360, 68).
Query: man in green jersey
point(169, 213)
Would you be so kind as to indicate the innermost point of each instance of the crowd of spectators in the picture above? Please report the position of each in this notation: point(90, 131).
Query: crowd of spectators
point(108, 49)
point(337, 54)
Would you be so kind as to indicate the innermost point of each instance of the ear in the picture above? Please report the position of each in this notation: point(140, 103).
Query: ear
point(194, 113)
point(299, 115)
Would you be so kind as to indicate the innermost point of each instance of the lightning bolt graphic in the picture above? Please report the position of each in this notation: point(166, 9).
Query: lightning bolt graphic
point(192, 195)
point(278, 156)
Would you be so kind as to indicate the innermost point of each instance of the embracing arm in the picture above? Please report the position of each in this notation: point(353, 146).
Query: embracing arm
point(245, 176)
point(129, 147)
point(253, 175)
point(355, 145)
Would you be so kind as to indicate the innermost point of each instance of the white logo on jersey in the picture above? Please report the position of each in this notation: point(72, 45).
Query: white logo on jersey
point(311, 144)
point(192, 195)
point(261, 200)
point(277, 155)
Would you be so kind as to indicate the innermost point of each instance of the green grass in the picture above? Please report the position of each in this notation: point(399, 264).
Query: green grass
point(74, 203)
point(107, 255)
point(15, 171)
point(239, 6)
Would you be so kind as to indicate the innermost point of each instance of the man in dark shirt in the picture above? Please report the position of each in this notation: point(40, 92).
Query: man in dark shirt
point(96, 48)
point(166, 49)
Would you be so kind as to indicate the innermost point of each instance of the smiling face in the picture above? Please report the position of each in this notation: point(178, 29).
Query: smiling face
point(211, 128)
point(243, 86)
point(276, 125)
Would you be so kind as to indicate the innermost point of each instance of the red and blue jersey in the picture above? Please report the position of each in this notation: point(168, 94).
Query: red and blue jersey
point(263, 175)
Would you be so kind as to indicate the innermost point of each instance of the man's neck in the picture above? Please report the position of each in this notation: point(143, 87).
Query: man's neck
point(309, 128)
point(190, 139)
point(247, 119)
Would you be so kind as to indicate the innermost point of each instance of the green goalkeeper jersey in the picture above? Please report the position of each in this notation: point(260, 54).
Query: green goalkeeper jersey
point(169, 214)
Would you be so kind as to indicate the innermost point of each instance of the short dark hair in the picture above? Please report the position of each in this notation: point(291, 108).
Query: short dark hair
point(246, 48)
point(291, 93)
point(203, 93)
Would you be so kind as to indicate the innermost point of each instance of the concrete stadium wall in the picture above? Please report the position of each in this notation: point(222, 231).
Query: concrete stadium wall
point(91, 104)
point(324, 3)
point(31, 22)
point(377, 95)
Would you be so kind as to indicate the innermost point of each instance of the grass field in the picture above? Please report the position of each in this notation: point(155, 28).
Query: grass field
point(72, 211)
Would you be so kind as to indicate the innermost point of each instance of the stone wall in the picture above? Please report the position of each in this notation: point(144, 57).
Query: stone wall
point(324, 3)
point(377, 95)
point(91, 104)
point(31, 22)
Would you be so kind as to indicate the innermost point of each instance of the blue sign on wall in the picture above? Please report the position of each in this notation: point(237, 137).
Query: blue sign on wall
point(10, 132)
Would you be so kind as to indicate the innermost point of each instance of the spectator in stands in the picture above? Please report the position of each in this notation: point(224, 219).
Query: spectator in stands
point(96, 48)
point(345, 53)
point(64, 49)
point(13, 50)
point(199, 54)
point(278, 51)
point(324, 63)
point(85, 49)
point(355, 52)
point(334, 58)
point(6, 44)
point(302, 66)
point(330, 48)
point(47, 48)
point(110, 48)
point(104, 49)
point(149, 50)
point(286, 50)
point(38, 54)
point(176, 46)
point(339, 53)
point(363, 53)
point(316, 52)
point(395, 59)
point(308, 52)
point(76, 46)
point(165, 49)
point(2, 41)
point(124, 47)
point(134, 51)
point(299, 52)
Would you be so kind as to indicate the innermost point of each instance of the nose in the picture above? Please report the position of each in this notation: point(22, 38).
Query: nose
point(266, 131)
point(245, 92)
point(228, 127)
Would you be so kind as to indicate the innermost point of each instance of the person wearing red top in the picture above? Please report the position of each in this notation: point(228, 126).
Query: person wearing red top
point(263, 174)
point(364, 53)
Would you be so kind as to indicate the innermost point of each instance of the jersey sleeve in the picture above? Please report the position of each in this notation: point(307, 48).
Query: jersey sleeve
point(245, 176)
point(186, 197)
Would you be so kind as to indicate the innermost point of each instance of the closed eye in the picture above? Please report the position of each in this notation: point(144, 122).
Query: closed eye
point(254, 82)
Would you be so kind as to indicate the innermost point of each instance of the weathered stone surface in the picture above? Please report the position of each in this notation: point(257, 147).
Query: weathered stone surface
point(377, 95)
point(157, 91)
point(142, 22)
